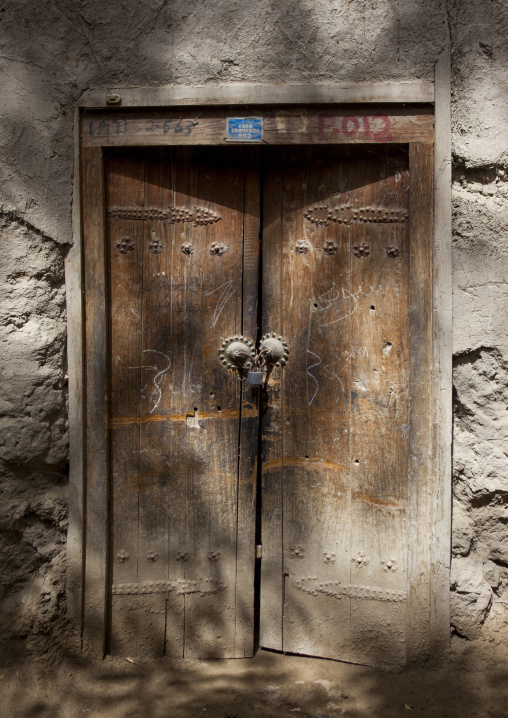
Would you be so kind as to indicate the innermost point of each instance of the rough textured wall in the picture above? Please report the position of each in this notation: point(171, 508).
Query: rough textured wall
point(33, 436)
point(48, 58)
point(49, 55)
point(480, 317)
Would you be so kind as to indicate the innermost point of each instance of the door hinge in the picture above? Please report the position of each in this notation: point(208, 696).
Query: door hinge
point(259, 551)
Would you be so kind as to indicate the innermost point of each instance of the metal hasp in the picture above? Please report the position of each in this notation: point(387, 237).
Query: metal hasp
point(237, 352)
point(273, 351)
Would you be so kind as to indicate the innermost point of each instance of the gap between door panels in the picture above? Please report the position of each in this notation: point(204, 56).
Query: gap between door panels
point(259, 324)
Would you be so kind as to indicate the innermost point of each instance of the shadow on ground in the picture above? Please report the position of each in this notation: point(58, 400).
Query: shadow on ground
point(471, 683)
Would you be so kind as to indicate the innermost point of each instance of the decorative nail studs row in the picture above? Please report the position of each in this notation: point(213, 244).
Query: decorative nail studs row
point(183, 556)
point(199, 216)
point(126, 244)
point(359, 559)
point(322, 214)
point(217, 249)
point(303, 246)
point(389, 564)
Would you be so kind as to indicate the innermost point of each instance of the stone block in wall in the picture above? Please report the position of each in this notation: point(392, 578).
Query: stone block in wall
point(480, 257)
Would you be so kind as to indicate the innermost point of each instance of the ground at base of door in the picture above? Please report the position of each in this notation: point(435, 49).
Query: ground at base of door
point(472, 683)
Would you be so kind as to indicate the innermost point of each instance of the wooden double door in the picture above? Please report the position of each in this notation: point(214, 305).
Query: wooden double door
point(310, 472)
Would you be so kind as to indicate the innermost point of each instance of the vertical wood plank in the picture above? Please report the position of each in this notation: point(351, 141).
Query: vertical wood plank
point(155, 400)
point(362, 371)
point(178, 299)
point(75, 358)
point(216, 181)
point(249, 417)
point(96, 501)
point(124, 180)
point(272, 578)
point(442, 359)
point(379, 364)
point(316, 307)
point(420, 431)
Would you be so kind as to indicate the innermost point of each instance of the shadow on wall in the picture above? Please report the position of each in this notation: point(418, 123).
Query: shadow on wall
point(53, 53)
point(33, 439)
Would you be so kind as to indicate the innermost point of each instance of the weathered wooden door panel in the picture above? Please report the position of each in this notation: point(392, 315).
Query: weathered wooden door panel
point(183, 252)
point(335, 425)
point(182, 230)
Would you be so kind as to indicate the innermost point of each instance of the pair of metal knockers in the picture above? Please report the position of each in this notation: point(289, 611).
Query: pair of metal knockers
point(239, 352)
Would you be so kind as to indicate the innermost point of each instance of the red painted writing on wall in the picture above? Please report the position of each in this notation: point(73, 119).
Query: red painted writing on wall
point(367, 127)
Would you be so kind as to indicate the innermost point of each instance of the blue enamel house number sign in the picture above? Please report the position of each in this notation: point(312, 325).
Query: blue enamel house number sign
point(244, 129)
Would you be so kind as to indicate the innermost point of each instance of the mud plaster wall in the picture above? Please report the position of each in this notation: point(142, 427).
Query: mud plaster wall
point(47, 61)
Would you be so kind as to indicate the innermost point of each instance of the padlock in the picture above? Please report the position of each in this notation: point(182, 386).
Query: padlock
point(255, 378)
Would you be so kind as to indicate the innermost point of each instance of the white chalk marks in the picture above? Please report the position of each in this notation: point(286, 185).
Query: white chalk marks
point(314, 366)
point(342, 301)
point(158, 378)
point(222, 299)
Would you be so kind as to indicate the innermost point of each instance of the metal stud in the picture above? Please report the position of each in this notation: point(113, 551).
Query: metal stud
point(217, 249)
point(236, 352)
point(124, 245)
point(330, 247)
point(275, 350)
point(155, 245)
point(361, 250)
point(302, 246)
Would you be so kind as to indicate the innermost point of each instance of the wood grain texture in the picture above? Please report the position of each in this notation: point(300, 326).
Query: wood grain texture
point(272, 467)
point(182, 500)
point(420, 426)
point(346, 426)
point(336, 500)
point(154, 463)
point(249, 419)
point(241, 93)
point(442, 360)
point(217, 182)
point(330, 124)
point(124, 177)
point(379, 423)
point(316, 403)
point(75, 356)
point(96, 501)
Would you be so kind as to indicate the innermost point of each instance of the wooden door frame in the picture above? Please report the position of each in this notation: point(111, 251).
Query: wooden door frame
point(429, 558)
